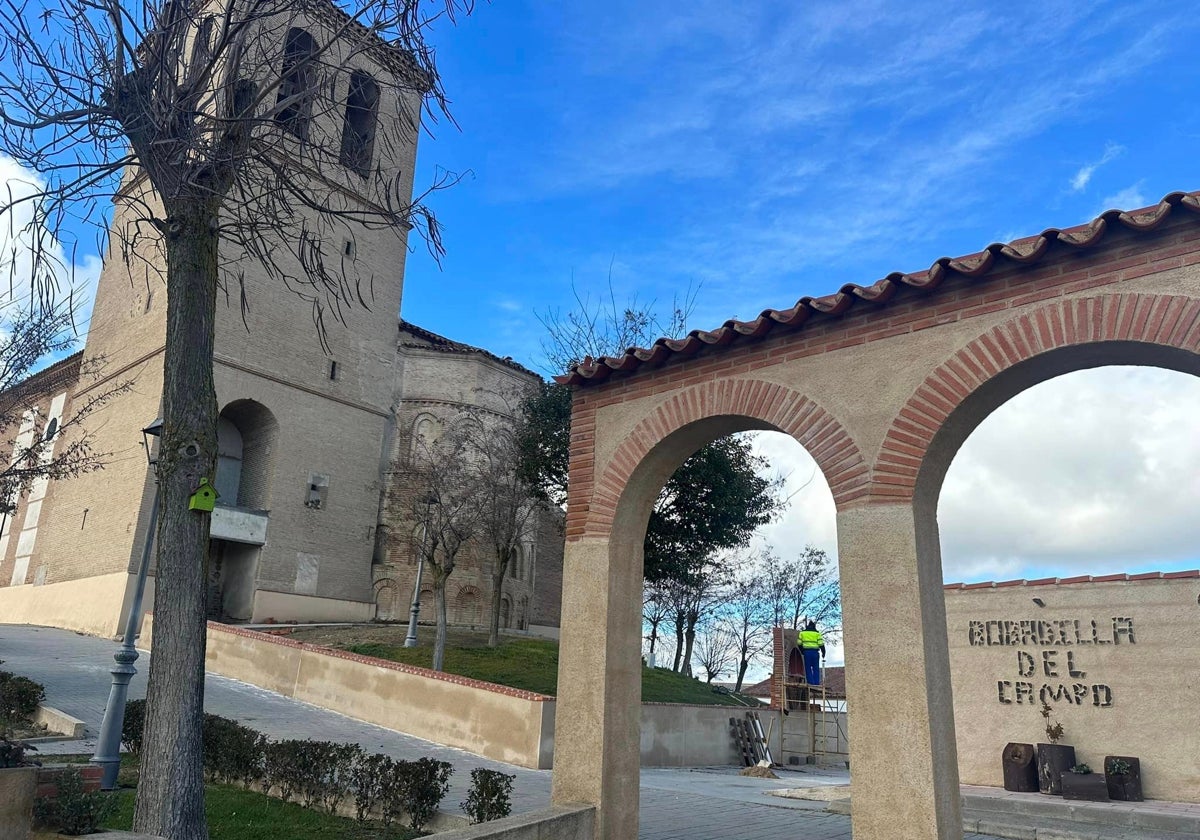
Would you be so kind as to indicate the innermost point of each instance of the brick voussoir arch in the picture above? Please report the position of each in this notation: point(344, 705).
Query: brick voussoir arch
point(812, 426)
point(1167, 320)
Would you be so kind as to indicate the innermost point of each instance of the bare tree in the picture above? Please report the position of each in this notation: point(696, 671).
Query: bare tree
point(215, 129)
point(804, 587)
point(444, 485)
point(715, 650)
point(656, 609)
point(507, 506)
point(745, 615)
point(41, 445)
point(599, 327)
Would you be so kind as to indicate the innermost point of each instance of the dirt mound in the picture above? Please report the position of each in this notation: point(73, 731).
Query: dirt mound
point(759, 772)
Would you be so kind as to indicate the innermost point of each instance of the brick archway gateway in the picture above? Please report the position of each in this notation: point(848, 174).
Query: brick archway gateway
point(908, 367)
point(735, 404)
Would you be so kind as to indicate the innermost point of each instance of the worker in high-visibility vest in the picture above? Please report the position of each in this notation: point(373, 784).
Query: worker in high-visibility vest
point(812, 646)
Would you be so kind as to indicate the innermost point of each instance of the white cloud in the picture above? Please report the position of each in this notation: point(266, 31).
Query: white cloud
point(1084, 176)
point(1094, 472)
point(1130, 198)
point(69, 273)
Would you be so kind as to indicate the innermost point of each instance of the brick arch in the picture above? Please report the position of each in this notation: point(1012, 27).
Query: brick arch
point(767, 403)
point(1167, 321)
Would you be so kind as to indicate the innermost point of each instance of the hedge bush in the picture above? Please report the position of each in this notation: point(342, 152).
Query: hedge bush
point(490, 796)
point(133, 727)
point(317, 774)
point(19, 698)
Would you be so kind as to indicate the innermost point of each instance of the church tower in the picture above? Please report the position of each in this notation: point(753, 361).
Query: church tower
point(305, 385)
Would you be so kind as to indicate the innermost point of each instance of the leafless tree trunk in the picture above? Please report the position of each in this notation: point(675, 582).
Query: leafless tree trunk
point(443, 483)
point(506, 504)
point(215, 130)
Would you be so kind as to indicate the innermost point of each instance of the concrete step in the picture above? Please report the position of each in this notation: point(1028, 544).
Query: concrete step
point(1044, 828)
point(1035, 808)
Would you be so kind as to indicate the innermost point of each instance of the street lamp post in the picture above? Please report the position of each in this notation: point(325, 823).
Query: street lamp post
point(411, 639)
point(108, 745)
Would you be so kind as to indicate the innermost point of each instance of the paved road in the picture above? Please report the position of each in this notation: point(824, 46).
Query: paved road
point(675, 804)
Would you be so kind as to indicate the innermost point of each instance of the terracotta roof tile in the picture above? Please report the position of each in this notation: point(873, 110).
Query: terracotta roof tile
point(1025, 251)
point(991, 584)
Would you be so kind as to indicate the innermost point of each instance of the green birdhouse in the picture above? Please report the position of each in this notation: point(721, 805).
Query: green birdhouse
point(205, 497)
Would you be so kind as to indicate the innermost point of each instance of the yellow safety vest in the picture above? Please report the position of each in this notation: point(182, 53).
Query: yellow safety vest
point(810, 639)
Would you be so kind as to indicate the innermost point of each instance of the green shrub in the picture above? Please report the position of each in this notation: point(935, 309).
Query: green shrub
point(366, 779)
point(19, 698)
point(232, 753)
point(12, 753)
point(283, 767)
point(337, 777)
point(425, 783)
point(74, 811)
point(133, 728)
point(490, 796)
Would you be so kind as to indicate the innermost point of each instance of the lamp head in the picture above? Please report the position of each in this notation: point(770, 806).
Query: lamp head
point(151, 435)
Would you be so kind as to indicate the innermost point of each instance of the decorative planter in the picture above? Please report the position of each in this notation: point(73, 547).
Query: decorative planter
point(1053, 760)
point(1124, 787)
point(1087, 786)
point(17, 788)
point(1020, 768)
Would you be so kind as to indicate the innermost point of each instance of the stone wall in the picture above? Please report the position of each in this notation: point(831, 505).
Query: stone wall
point(1116, 659)
point(506, 724)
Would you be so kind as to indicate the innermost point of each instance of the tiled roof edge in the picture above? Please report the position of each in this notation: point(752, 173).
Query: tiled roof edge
point(449, 345)
point(1025, 251)
point(992, 584)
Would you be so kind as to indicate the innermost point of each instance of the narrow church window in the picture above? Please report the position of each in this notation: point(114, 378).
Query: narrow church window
point(358, 131)
point(348, 248)
point(333, 371)
point(51, 429)
point(299, 80)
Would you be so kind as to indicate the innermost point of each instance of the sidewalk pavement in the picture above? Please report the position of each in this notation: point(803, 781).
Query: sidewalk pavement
point(676, 804)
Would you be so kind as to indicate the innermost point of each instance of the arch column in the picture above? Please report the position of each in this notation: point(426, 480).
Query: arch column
point(597, 726)
point(903, 757)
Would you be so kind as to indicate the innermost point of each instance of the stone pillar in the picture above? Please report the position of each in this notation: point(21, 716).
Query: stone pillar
point(598, 716)
point(903, 759)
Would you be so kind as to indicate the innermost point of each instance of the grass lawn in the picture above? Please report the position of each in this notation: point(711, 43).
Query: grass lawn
point(532, 665)
point(236, 814)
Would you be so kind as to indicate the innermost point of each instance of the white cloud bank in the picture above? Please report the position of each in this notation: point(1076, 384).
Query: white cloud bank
point(1091, 473)
point(74, 273)
point(1095, 472)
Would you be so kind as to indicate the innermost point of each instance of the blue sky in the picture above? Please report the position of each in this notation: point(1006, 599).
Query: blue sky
point(756, 153)
point(762, 152)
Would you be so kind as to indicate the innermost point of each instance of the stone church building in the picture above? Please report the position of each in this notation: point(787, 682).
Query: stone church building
point(311, 438)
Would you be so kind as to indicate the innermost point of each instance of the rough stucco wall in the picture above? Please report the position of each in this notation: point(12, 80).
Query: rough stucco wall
point(87, 605)
point(1153, 675)
point(500, 723)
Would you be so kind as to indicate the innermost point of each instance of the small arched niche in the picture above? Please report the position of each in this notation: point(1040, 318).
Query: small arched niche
point(246, 436)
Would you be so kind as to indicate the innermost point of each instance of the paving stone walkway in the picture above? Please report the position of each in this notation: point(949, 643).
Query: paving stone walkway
point(695, 804)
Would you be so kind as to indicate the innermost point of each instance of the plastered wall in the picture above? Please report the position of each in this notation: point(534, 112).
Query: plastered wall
point(1118, 661)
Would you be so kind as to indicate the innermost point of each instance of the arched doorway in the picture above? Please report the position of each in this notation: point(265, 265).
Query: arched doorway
point(246, 436)
point(386, 601)
point(604, 558)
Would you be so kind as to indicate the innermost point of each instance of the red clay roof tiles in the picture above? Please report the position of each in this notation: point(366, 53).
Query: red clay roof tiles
point(1025, 251)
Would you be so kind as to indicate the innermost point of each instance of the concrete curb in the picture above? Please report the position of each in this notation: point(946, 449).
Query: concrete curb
point(56, 720)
